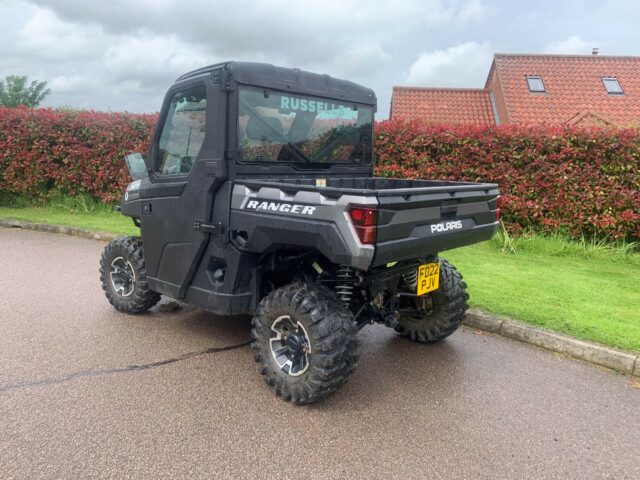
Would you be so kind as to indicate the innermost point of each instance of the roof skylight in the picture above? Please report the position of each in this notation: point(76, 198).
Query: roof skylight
point(612, 85)
point(535, 84)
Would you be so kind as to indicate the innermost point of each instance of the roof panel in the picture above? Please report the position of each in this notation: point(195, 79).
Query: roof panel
point(442, 105)
point(573, 84)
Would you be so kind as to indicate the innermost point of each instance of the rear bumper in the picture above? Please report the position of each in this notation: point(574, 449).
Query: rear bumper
point(422, 244)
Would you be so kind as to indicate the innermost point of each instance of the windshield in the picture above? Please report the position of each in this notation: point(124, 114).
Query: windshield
point(302, 130)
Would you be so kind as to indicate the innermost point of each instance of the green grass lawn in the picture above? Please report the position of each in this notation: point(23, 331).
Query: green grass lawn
point(589, 292)
point(103, 220)
point(591, 298)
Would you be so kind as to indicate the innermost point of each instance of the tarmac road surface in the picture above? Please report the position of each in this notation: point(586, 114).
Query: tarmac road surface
point(87, 392)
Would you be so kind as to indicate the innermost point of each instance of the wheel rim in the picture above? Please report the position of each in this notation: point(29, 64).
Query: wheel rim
point(122, 277)
point(290, 346)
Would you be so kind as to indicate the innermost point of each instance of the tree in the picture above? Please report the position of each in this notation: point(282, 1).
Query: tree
point(15, 91)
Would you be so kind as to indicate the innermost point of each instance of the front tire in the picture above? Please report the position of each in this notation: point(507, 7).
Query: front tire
point(124, 277)
point(435, 316)
point(304, 340)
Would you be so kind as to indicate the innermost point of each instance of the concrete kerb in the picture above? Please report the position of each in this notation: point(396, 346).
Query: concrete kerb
point(45, 227)
point(623, 362)
point(620, 361)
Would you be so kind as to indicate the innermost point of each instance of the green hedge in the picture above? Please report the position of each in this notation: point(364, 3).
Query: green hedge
point(44, 150)
point(576, 181)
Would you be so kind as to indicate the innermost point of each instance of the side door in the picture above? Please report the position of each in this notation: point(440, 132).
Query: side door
point(187, 156)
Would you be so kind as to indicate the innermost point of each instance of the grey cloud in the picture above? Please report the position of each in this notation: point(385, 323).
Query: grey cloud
point(464, 65)
point(288, 29)
point(123, 54)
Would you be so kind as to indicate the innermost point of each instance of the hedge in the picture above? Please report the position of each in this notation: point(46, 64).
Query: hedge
point(69, 151)
point(577, 181)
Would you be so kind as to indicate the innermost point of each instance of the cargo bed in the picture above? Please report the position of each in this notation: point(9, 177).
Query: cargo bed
point(415, 217)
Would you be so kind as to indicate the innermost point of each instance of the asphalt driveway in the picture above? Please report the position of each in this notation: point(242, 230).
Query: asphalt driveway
point(87, 392)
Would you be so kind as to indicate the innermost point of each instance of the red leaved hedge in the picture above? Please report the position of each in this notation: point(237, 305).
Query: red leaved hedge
point(579, 181)
point(72, 152)
point(574, 180)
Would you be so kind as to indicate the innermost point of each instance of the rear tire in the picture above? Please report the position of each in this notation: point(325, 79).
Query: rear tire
point(124, 277)
point(436, 315)
point(304, 340)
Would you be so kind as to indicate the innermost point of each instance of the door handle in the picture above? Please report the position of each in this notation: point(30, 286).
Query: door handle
point(214, 228)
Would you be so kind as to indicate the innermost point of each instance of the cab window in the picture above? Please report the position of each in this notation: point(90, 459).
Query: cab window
point(183, 131)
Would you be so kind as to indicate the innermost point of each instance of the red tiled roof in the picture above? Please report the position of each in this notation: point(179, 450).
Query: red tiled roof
point(442, 105)
point(587, 118)
point(573, 86)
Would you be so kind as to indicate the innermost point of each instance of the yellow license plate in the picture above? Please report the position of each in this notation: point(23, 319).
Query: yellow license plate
point(428, 278)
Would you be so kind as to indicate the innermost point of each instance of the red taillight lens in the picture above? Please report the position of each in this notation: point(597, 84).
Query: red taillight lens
point(364, 217)
point(365, 221)
point(498, 207)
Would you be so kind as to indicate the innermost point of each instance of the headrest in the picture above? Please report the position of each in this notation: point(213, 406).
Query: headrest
point(257, 129)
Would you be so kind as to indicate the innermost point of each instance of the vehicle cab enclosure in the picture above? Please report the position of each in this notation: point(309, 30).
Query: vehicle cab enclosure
point(258, 174)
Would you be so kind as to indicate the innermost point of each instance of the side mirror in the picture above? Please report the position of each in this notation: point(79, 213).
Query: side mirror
point(137, 166)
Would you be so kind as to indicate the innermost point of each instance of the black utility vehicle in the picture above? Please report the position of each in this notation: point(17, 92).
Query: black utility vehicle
point(257, 197)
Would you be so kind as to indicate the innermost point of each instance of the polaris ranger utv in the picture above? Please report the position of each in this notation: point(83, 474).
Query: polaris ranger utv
point(257, 198)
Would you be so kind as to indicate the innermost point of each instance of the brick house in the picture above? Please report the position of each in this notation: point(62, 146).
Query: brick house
point(585, 90)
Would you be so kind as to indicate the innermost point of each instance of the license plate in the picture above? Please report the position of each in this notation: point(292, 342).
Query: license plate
point(428, 278)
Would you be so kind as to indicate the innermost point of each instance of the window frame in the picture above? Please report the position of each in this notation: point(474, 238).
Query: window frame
point(535, 77)
point(612, 79)
point(163, 121)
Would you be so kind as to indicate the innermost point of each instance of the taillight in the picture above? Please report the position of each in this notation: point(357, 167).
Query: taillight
point(498, 207)
point(365, 221)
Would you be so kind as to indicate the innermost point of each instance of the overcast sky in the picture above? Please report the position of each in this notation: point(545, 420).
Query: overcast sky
point(123, 54)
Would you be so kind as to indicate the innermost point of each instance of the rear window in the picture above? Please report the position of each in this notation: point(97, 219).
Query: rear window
point(300, 129)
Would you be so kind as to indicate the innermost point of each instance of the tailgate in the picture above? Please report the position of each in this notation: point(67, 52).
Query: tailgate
point(414, 223)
